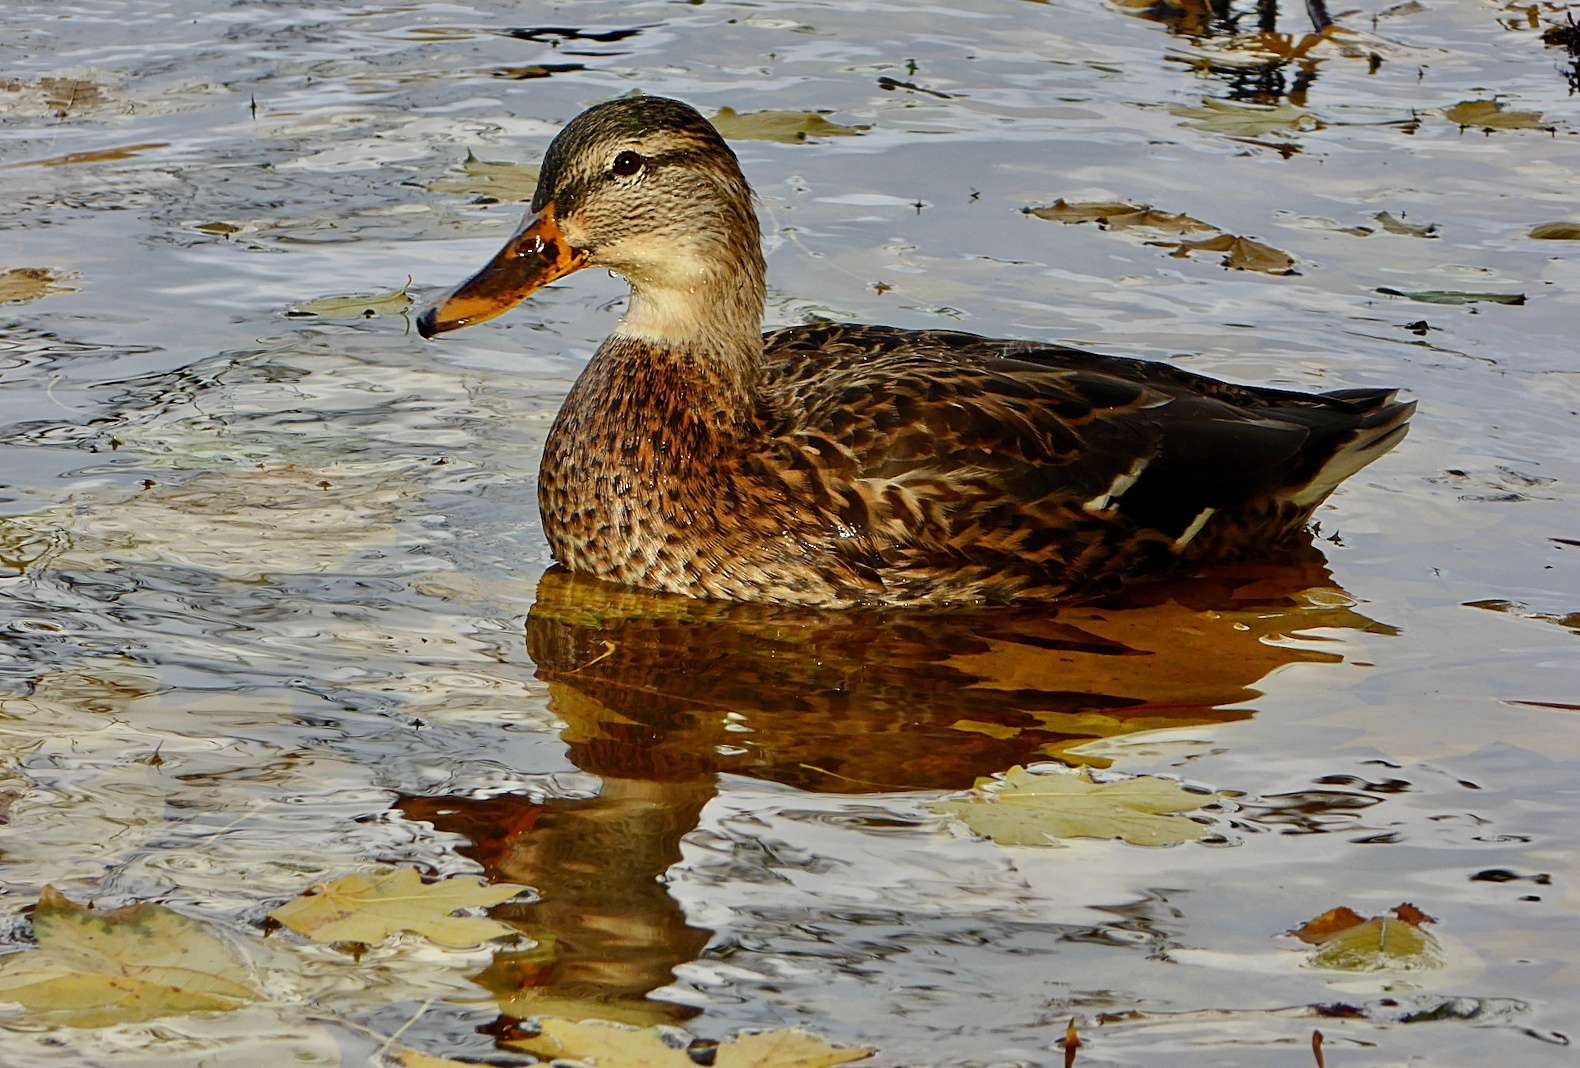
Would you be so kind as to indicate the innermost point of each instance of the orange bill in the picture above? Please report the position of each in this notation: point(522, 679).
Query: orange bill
point(536, 256)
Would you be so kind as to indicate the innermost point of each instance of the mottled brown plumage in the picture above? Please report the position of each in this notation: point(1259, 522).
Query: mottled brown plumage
point(839, 465)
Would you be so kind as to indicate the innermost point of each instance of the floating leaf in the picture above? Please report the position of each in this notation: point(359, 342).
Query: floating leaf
point(502, 181)
point(98, 969)
point(1377, 944)
point(610, 1045)
point(366, 908)
point(535, 70)
point(1556, 231)
point(1119, 216)
point(358, 307)
point(789, 127)
point(1404, 229)
point(68, 93)
point(1243, 254)
point(1489, 115)
point(21, 284)
point(1445, 296)
point(1244, 120)
point(1028, 809)
point(638, 1012)
point(1328, 924)
point(785, 1049)
point(1348, 942)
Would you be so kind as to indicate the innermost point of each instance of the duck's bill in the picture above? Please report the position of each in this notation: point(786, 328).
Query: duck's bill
point(536, 256)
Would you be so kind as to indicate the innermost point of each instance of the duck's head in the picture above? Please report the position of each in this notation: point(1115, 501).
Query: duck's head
point(646, 187)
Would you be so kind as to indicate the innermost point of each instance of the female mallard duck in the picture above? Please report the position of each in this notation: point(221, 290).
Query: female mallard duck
point(835, 465)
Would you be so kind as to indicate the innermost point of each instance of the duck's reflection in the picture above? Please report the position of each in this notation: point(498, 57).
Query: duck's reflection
point(659, 694)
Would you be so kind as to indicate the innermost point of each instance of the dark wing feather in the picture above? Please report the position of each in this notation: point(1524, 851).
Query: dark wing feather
point(949, 442)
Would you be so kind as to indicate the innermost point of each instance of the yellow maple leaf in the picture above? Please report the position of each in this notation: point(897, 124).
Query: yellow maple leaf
point(1030, 809)
point(366, 908)
point(97, 969)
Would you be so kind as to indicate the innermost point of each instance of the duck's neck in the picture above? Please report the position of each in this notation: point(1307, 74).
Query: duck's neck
point(700, 328)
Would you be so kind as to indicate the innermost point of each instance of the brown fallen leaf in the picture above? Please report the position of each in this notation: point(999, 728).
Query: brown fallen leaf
point(358, 307)
point(1404, 229)
point(535, 70)
point(1448, 296)
point(1412, 915)
point(21, 284)
point(126, 965)
point(1119, 215)
point(1327, 925)
point(67, 93)
point(1346, 941)
point(1245, 120)
point(1489, 115)
point(787, 127)
point(1244, 254)
point(502, 181)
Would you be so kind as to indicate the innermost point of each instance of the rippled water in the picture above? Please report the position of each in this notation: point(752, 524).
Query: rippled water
point(274, 606)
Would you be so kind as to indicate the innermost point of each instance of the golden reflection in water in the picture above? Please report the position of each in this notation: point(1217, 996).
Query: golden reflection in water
point(660, 694)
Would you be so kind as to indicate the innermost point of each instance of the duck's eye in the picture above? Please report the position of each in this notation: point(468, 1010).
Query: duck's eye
point(627, 164)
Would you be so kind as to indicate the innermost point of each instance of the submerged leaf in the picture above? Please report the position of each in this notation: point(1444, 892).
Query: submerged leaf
point(1556, 231)
point(1445, 296)
point(98, 969)
point(610, 1045)
point(1243, 254)
point(789, 127)
point(1244, 120)
point(502, 181)
point(1028, 809)
point(21, 284)
point(1119, 215)
point(358, 307)
point(1489, 115)
point(992, 730)
point(1404, 229)
point(366, 908)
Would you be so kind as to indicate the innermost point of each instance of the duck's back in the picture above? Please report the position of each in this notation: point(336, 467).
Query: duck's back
point(953, 466)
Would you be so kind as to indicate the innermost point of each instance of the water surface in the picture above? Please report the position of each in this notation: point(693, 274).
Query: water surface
point(275, 607)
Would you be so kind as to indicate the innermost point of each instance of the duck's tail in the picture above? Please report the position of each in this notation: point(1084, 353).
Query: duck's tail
point(1384, 423)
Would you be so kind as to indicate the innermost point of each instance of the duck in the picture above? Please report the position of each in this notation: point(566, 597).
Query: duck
point(835, 465)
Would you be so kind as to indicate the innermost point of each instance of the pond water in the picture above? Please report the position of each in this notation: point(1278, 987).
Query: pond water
point(274, 606)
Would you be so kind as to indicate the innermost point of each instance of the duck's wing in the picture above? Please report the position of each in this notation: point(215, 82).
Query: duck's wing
point(950, 442)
